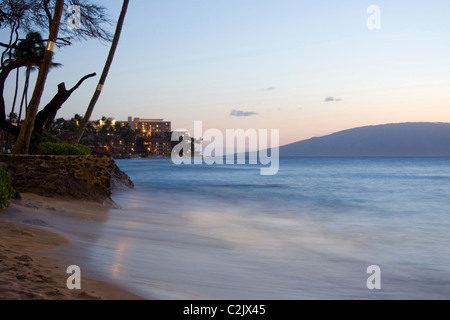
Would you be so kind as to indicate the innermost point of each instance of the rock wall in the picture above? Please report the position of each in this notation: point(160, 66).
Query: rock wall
point(76, 177)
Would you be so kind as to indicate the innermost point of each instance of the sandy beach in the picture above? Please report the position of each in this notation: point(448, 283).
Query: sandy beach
point(27, 269)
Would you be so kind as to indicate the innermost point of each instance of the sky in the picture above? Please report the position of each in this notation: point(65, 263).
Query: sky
point(306, 67)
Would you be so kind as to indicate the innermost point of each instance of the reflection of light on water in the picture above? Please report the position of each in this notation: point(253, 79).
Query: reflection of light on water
point(116, 268)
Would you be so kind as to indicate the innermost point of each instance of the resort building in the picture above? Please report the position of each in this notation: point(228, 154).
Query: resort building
point(153, 146)
point(150, 127)
point(152, 137)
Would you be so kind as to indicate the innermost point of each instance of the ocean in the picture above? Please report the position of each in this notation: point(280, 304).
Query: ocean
point(309, 232)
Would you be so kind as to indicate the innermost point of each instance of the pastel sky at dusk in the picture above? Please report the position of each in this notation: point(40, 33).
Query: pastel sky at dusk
point(308, 68)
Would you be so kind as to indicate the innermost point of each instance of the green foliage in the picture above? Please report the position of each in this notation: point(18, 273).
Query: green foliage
point(6, 191)
point(37, 139)
point(31, 49)
point(61, 125)
point(63, 148)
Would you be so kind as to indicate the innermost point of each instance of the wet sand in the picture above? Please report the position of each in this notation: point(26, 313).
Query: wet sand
point(27, 270)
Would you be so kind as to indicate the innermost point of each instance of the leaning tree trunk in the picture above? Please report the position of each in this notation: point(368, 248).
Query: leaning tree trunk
point(23, 141)
point(76, 139)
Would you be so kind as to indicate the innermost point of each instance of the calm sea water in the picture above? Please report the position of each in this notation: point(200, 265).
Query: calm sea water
point(309, 232)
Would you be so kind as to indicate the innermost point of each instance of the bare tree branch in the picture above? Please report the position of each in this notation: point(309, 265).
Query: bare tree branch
point(47, 11)
point(46, 116)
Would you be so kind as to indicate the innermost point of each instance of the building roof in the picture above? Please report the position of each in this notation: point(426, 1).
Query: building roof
point(149, 120)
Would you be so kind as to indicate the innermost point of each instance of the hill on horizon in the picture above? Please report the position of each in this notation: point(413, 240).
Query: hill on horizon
point(411, 139)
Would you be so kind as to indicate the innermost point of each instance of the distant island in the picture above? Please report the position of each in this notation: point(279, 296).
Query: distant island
point(414, 139)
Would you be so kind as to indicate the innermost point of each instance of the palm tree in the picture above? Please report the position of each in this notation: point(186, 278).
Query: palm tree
point(77, 137)
point(23, 141)
point(31, 52)
point(27, 53)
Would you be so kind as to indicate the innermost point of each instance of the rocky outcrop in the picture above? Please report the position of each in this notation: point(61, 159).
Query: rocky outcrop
point(76, 177)
point(119, 179)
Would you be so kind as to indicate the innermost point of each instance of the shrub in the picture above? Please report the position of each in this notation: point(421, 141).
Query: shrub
point(63, 148)
point(37, 139)
point(6, 191)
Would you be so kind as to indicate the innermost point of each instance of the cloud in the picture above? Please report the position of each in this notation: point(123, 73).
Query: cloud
point(269, 89)
point(332, 99)
point(240, 113)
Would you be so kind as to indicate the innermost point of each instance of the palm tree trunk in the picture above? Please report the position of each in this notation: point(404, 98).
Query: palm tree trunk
point(76, 139)
point(24, 93)
point(15, 94)
point(5, 125)
point(23, 141)
point(13, 107)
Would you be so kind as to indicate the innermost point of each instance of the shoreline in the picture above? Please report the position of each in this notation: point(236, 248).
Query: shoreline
point(28, 267)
